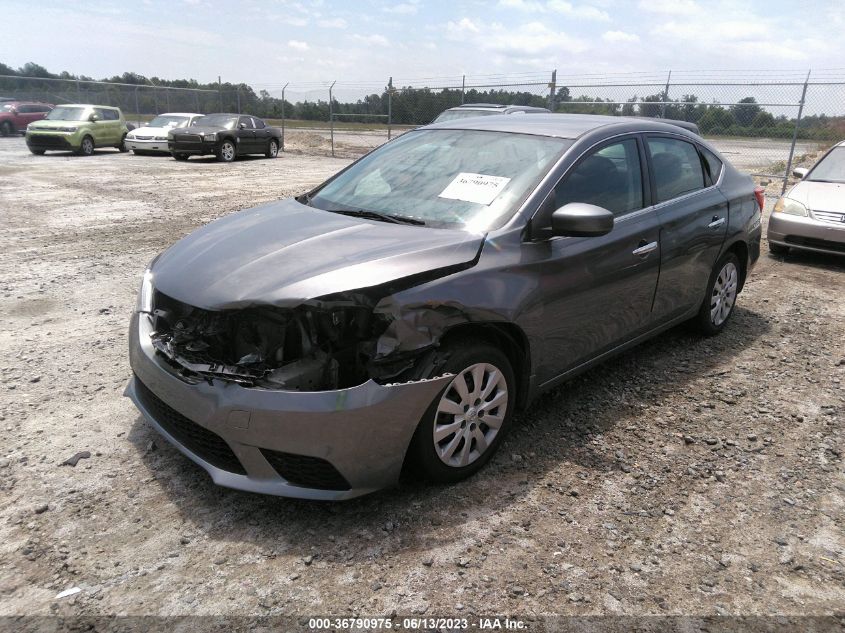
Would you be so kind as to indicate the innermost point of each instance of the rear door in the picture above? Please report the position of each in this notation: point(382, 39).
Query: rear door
point(598, 291)
point(262, 135)
point(113, 127)
point(694, 215)
point(100, 128)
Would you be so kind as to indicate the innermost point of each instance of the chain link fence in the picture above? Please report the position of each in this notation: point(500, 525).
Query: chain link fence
point(765, 122)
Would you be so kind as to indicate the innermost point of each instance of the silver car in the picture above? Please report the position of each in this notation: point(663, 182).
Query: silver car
point(811, 216)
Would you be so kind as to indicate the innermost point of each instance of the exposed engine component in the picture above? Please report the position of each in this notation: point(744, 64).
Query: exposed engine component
point(303, 349)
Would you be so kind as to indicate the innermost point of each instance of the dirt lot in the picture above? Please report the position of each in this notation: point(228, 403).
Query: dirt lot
point(688, 476)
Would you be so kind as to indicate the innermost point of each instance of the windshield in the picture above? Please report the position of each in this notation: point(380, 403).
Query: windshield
point(7, 108)
point(168, 121)
point(831, 168)
point(453, 115)
point(450, 178)
point(218, 120)
point(63, 113)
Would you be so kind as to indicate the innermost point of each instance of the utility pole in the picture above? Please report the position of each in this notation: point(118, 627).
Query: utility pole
point(137, 109)
point(220, 92)
point(331, 113)
point(283, 115)
point(238, 91)
point(553, 90)
point(463, 88)
point(389, 106)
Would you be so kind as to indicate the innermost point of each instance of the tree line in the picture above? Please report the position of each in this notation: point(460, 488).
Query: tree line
point(406, 105)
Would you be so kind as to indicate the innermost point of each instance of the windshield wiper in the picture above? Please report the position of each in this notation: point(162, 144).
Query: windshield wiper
point(376, 215)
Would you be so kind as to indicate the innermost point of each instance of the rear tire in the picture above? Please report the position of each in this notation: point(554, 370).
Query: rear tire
point(226, 152)
point(7, 129)
point(466, 423)
point(778, 249)
point(272, 149)
point(720, 300)
point(86, 147)
point(122, 146)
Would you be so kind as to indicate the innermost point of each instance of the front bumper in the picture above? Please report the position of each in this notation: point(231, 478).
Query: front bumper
point(326, 445)
point(147, 145)
point(198, 147)
point(806, 233)
point(55, 141)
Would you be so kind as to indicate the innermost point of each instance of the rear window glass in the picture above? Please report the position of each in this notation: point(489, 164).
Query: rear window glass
point(714, 165)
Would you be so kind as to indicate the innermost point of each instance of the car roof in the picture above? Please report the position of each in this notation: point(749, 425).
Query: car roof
point(86, 105)
point(570, 126)
point(180, 114)
point(16, 102)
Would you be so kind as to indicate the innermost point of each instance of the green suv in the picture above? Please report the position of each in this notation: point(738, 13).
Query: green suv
point(78, 128)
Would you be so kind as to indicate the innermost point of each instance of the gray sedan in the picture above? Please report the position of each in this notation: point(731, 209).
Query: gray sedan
point(811, 216)
point(397, 316)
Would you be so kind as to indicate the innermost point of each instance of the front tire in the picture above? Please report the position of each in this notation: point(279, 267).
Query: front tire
point(722, 291)
point(37, 152)
point(7, 129)
point(465, 425)
point(182, 157)
point(122, 145)
point(272, 149)
point(86, 147)
point(227, 152)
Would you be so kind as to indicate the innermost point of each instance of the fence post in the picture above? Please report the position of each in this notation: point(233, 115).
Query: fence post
point(197, 101)
point(238, 91)
point(167, 97)
point(463, 88)
point(155, 100)
point(331, 114)
point(665, 96)
point(220, 92)
point(137, 108)
point(795, 133)
point(552, 90)
point(78, 93)
point(283, 115)
point(389, 107)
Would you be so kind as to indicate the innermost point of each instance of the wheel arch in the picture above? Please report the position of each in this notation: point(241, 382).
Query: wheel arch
point(740, 249)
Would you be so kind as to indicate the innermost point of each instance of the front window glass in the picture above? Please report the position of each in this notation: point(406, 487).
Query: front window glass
point(454, 115)
point(63, 113)
point(226, 121)
point(831, 168)
point(7, 108)
point(610, 178)
point(450, 178)
point(676, 166)
point(168, 121)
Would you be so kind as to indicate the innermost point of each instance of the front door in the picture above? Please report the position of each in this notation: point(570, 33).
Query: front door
point(598, 291)
point(246, 135)
point(694, 215)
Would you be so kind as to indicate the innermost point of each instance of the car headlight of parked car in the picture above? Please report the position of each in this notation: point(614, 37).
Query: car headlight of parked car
point(145, 293)
point(212, 136)
point(130, 136)
point(66, 129)
point(790, 206)
point(160, 138)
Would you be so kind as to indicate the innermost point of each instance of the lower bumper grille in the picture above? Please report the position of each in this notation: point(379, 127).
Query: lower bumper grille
point(306, 471)
point(48, 141)
point(197, 439)
point(813, 242)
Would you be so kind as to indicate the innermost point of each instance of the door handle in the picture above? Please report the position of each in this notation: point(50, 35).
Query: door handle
point(717, 222)
point(645, 249)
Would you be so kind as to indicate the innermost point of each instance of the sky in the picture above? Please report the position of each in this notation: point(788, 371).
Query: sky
point(363, 42)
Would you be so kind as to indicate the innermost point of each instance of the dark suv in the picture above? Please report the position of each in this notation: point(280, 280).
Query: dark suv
point(226, 136)
point(16, 115)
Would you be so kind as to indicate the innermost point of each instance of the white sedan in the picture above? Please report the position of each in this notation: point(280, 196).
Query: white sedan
point(152, 138)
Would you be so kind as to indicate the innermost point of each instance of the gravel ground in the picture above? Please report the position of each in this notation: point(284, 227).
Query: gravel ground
point(688, 476)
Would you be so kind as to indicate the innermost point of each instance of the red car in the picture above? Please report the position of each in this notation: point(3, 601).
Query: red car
point(16, 115)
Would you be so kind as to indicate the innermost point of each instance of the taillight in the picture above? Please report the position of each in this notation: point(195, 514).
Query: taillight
point(760, 194)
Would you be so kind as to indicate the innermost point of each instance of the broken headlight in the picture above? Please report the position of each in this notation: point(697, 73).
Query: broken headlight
point(145, 293)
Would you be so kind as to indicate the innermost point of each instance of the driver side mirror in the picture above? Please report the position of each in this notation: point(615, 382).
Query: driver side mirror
point(94, 118)
point(241, 126)
point(578, 219)
point(800, 172)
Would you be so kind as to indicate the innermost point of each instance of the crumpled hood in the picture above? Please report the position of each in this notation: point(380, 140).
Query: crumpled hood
point(819, 196)
point(284, 253)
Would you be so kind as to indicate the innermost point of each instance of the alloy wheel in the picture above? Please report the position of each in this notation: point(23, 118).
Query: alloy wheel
point(470, 414)
point(723, 297)
point(227, 151)
point(87, 146)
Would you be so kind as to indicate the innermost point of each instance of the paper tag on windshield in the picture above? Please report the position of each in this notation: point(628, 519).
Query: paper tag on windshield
point(476, 188)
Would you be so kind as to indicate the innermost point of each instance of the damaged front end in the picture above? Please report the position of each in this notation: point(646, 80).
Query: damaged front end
point(327, 346)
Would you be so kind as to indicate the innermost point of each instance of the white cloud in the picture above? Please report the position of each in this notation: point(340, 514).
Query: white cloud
point(334, 23)
point(620, 36)
point(373, 40)
point(298, 45)
point(562, 7)
point(529, 40)
point(402, 9)
point(670, 7)
point(462, 26)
